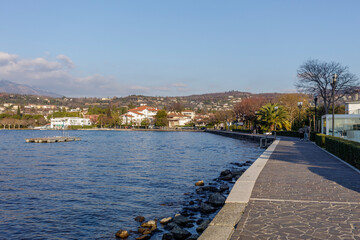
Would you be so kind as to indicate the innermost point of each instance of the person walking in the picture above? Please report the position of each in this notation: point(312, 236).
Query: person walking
point(301, 133)
point(306, 133)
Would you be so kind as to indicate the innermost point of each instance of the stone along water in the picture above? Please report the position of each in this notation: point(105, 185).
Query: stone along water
point(92, 188)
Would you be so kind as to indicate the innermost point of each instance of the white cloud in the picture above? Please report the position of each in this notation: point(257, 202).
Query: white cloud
point(66, 60)
point(56, 75)
point(6, 58)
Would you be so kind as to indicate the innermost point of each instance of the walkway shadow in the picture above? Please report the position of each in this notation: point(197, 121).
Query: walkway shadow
point(318, 162)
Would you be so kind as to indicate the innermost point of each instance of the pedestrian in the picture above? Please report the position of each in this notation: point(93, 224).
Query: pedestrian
point(301, 133)
point(306, 133)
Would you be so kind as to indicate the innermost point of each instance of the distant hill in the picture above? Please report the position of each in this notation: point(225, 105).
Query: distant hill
point(16, 88)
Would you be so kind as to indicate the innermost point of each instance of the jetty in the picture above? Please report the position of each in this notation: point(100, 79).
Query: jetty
point(52, 139)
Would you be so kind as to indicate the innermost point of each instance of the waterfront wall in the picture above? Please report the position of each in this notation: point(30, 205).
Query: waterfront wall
point(243, 136)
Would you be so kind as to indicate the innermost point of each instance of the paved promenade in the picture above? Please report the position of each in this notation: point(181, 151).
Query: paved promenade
point(302, 193)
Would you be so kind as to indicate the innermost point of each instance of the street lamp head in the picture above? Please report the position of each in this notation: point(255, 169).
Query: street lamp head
point(334, 79)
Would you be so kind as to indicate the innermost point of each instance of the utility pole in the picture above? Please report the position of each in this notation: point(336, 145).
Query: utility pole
point(333, 103)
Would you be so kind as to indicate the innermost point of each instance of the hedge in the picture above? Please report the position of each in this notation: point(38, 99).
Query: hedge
point(320, 140)
point(348, 151)
point(286, 133)
point(242, 130)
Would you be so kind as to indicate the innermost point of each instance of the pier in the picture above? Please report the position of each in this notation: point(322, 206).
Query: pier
point(294, 190)
point(52, 139)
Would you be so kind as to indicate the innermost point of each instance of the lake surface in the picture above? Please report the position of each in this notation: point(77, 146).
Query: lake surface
point(91, 188)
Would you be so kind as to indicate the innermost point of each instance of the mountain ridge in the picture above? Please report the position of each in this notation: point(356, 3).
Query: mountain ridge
point(7, 86)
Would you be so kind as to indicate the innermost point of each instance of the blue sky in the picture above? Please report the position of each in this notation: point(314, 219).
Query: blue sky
point(172, 48)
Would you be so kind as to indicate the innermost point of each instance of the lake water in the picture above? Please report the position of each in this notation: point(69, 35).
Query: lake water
point(91, 188)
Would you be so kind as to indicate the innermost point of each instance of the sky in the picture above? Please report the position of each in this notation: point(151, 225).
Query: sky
point(172, 48)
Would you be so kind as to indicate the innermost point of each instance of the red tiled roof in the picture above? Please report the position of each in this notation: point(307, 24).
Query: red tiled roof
point(142, 108)
point(136, 112)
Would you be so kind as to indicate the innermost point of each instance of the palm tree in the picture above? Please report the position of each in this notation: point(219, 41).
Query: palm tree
point(271, 116)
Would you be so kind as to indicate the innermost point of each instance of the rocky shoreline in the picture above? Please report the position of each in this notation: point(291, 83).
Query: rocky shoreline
point(198, 210)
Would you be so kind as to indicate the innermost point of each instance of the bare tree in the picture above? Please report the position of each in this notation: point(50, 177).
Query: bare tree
point(315, 77)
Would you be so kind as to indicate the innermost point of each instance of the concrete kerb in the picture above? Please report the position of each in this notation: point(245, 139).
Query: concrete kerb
point(223, 225)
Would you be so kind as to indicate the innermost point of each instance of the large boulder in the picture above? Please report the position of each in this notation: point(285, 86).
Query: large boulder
point(227, 177)
point(179, 233)
point(122, 234)
point(202, 226)
point(181, 220)
point(210, 188)
point(170, 226)
point(216, 199)
point(149, 224)
point(206, 208)
point(224, 187)
point(167, 236)
point(226, 172)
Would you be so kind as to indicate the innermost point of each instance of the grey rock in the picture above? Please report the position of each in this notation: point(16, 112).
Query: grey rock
point(227, 177)
point(206, 208)
point(226, 172)
point(170, 226)
point(181, 220)
point(179, 233)
point(210, 188)
point(216, 199)
point(193, 237)
point(202, 226)
point(167, 236)
point(224, 187)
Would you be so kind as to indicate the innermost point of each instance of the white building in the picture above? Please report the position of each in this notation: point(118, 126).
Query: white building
point(189, 113)
point(346, 126)
point(178, 119)
point(60, 123)
point(352, 107)
point(136, 115)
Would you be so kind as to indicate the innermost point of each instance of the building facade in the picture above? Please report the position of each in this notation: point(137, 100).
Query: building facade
point(65, 122)
point(135, 116)
point(346, 126)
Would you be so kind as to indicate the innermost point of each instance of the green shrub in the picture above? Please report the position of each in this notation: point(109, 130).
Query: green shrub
point(312, 136)
point(348, 151)
point(320, 140)
point(286, 133)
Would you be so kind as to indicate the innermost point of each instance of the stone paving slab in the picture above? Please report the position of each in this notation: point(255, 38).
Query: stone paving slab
point(299, 220)
point(302, 193)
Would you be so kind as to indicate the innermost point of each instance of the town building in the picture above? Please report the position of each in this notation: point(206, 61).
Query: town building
point(347, 125)
point(178, 119)
point(65, 122)
point(135, 116)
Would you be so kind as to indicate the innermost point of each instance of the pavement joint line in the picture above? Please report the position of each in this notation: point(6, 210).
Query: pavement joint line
point(302, 201)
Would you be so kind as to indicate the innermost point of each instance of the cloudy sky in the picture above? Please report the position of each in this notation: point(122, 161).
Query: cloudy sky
point(172, 48)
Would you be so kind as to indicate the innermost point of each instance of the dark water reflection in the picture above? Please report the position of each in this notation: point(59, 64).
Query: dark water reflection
point(91, 188)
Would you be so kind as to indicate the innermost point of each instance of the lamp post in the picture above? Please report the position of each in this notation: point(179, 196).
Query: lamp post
point(300, 106)
point(315, 100)
point(333, 85)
